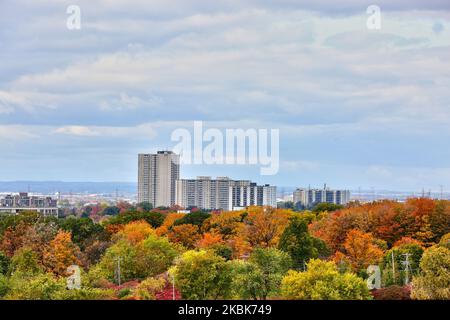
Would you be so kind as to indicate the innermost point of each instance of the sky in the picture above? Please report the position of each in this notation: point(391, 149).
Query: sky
point(354, 107)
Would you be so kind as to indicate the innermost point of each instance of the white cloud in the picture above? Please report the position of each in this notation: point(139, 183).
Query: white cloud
point(128, 102)
point(77, 131)
point(335, 90)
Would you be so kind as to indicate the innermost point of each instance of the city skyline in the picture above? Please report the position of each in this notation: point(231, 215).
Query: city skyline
point(354, 107)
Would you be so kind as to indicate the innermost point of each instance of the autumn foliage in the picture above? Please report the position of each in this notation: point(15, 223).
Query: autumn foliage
point(146, 245)
point(423, 220)
point(61, 253)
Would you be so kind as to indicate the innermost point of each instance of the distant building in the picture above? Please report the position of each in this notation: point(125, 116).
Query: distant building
point(223, 193)
point(307, 198)
point(16, 203)
point(246, 193)
point(157, 175)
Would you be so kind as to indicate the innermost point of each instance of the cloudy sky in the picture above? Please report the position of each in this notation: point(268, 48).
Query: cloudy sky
point(355, 107)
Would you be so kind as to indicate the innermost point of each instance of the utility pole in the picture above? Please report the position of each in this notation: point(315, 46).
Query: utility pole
point(393, 266)
point(407, 265)
point(173, 287)
point(118, 269)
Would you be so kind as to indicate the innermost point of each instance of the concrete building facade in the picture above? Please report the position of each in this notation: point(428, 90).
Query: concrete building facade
point(223, 193)
point(16, 203)
point(307, 197)
point(157, 176)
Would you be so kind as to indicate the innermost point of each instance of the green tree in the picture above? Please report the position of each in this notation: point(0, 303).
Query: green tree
point(397, 269)
point(157, 255)
point(323, 281)
point(299, 244)
point(445, 241)
point(83, 230)
point(4, 285)
point(273, 265)
point(111, 211)
point(84, 293)
point(45, 286)
point(40, 286)
point(286, 205)
point(329, 207)
point(223, 251)
point(147, 289)
point(146, 206)
point(12, 220)
point(155, 219)
point(261, 276)
point(248, 280)
point(433, 283)
point(202, 275)
point(127, 253)
point(25, 261)
point(194, 218)
point(4, 263)
point(138, 261)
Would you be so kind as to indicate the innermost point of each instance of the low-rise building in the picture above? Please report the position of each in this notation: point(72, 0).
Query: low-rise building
point(16, 203)
point(305, 198)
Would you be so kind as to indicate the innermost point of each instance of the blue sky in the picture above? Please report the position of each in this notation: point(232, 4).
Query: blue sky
point(355, 107)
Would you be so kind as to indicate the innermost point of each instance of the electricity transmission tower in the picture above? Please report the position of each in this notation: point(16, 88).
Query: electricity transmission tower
point(407, 265)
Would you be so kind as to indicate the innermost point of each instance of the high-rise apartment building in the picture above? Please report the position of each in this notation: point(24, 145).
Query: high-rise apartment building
point(307, 198)
point(157, 176)
point(223, 193)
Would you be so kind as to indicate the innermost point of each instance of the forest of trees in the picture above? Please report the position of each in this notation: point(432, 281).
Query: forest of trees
point(260, 253)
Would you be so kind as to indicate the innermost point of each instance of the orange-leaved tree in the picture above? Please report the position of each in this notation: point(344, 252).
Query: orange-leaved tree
point(186, 234)
point(264, 226)
point(168, 222)
point(61, 253)
point(209, 240)
point(135, 231)
point(361, 250)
